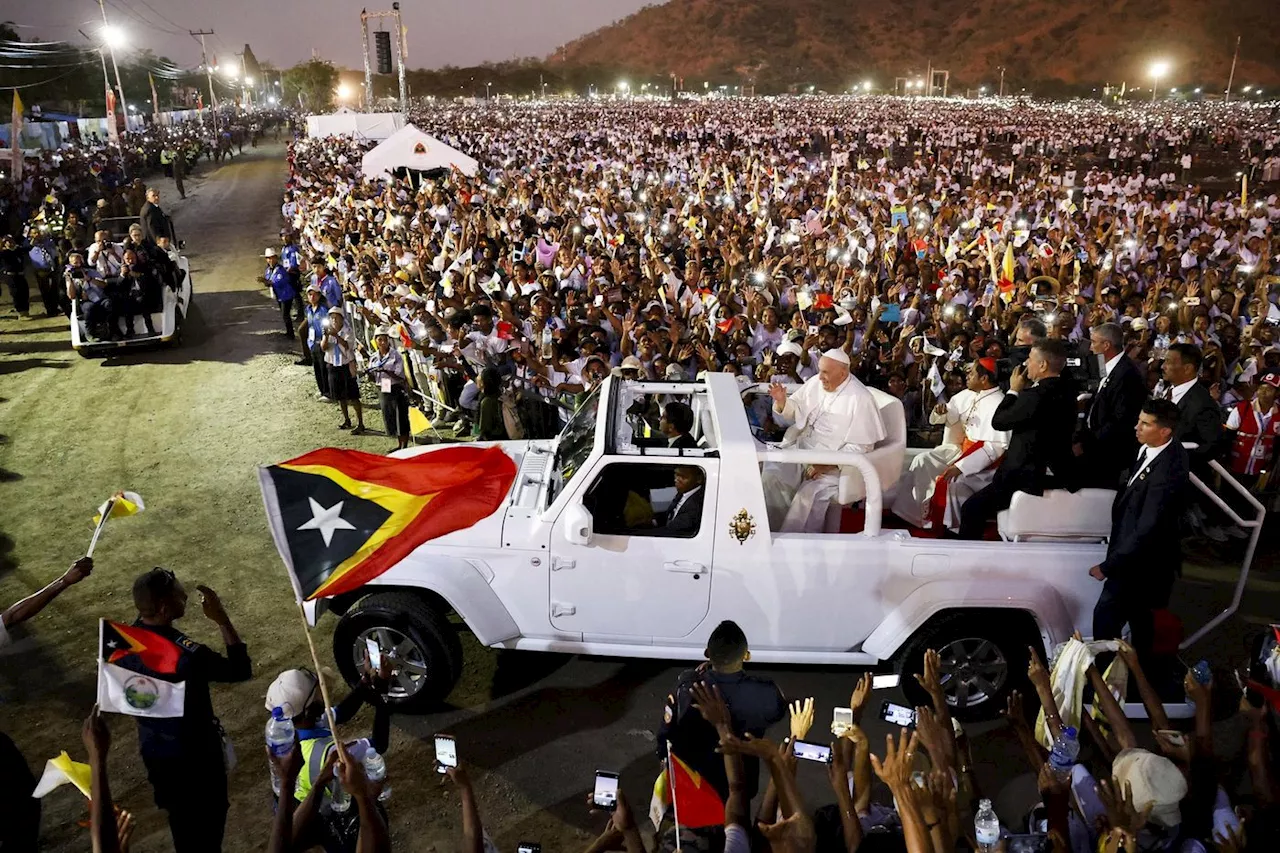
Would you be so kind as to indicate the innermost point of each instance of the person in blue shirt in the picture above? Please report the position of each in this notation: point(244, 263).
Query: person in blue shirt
point(328, 284)
point(277, 277)
point(44, 259)
point(96, 305)
point(291, 260)
point(314, 318)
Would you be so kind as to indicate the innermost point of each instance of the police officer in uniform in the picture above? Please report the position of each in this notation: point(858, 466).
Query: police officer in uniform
point(185, 757)
point(755, 704)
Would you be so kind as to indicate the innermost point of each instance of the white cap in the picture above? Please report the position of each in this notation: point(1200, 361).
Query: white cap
point(269, 253)
point(291, 691)
point(837, 355)
point(1156, 781)
point(789, 348)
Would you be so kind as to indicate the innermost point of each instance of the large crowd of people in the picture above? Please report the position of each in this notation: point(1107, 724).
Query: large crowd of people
point(932, 243)
point(1060, 295)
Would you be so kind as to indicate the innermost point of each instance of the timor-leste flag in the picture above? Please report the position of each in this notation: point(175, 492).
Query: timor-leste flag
point(340, 518)
point(138, 672)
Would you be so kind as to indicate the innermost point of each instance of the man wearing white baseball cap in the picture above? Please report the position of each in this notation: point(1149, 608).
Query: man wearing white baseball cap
point(831, 411)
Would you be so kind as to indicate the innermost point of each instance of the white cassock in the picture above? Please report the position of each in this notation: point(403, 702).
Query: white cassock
point(968, 420)
point(844, 419)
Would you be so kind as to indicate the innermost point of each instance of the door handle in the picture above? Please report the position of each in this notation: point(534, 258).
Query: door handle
point(687, 567)
point(558, 609)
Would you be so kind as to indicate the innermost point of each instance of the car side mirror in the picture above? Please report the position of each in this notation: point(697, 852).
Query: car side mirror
point(577, 524)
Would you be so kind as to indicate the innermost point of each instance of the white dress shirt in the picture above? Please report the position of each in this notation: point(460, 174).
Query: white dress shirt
point(1180, 391)
point(1150, 456)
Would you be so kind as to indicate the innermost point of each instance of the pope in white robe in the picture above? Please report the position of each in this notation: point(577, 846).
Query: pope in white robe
point(830, 411)
point(967, 456)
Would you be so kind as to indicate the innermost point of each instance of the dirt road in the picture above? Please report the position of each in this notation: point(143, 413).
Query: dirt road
point(186, 428)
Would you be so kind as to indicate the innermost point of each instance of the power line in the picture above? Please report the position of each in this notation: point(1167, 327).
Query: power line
point(163, 16)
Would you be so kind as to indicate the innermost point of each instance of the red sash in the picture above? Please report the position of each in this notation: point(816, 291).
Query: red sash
point(938, 503)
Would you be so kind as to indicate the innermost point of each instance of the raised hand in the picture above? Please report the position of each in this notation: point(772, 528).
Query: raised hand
point(861, 694)
point(710, 704)
point(801, 718)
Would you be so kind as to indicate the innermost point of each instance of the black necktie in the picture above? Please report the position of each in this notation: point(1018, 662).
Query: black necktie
point(1137, 469)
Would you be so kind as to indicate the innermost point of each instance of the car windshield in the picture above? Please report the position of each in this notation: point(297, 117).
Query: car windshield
point(575, 443)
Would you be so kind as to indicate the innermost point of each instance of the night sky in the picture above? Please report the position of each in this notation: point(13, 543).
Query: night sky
point(442, 32)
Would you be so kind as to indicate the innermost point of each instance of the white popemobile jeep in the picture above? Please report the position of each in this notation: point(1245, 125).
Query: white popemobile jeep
point(571, 563)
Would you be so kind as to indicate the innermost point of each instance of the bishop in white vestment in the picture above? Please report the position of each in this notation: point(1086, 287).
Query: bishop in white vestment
point(831, 411)
point(966, 459)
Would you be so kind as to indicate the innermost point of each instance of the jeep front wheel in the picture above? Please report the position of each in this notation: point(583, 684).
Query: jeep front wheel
point(423, 646)
point(983, 659)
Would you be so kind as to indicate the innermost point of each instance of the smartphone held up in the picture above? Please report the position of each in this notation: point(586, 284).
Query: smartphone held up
point(606, 790)
point(446, 753)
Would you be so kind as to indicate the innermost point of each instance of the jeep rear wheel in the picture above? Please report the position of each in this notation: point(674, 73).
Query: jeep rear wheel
point(424, 648)
point(983, 660)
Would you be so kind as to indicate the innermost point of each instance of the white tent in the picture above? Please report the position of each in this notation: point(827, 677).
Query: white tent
point(410, 148)
point(360, 125)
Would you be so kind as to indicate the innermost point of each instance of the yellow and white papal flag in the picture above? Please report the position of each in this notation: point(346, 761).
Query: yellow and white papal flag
point(122, 504)
point(58, 772)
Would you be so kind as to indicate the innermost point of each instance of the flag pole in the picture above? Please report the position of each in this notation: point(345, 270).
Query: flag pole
point(102, 522)
point(675, 803)
point(324, 688)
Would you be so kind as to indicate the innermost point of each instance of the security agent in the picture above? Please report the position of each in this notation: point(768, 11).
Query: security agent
point(755, 704)
point(675, 425)
point(185, 757)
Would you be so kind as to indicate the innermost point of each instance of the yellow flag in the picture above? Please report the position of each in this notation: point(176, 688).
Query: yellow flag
point(125, 503)
point(1244, 191)
point(61, 770)
point(418, 422)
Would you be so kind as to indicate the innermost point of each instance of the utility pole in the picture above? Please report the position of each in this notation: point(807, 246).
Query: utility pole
point(106, 25)
point(1002, 81)
point(1232, 78)
point(204, 60)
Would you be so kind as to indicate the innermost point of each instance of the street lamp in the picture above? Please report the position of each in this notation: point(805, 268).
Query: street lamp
point(866, 85)
point(624, 86)
point(113, 37)
point(344, 91)
point(487, 87)
point(1158, 69)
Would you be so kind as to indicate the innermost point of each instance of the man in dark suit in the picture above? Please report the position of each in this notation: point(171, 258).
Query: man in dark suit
point(1106, 441)
point(1041, 419)
point(1199, 422)
point(1145, 550)
point(154, 221)
point(1199, 416)
point(675, 426)
point(685, 515)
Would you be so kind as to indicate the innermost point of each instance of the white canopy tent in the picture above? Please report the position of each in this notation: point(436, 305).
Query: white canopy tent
point(360, 125)
point(410, 148)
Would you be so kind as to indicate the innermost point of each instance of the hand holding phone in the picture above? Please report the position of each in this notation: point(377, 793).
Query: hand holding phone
point(898, 715)
point(606, 791)
point(446, 753)
point(841, 721)
point(818, 752)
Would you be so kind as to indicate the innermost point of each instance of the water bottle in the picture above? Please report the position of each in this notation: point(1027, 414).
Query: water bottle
point(280, 738)
point(548, 343)
point(1201, 672)
point(1063, 755)
point(339, 799)
point(986, 827)
point(375, 770)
